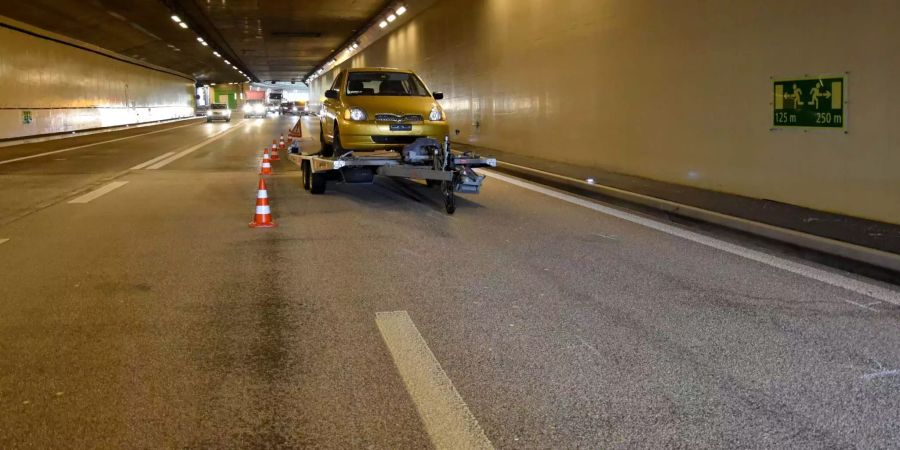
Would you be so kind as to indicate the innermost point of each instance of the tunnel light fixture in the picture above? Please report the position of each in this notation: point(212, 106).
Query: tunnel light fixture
point(182, 24)
point(217, 54)
point(199, 39)
point(391, 18)
point(382, 24)
point(226, 62)
point(176, 18)
point(401, 10)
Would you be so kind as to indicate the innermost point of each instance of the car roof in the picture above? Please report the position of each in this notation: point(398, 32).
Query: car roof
point(378, 69)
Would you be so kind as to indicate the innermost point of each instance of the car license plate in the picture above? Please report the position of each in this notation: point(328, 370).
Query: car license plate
point(401, 127)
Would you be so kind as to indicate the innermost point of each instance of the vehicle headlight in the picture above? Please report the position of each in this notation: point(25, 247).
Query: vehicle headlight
point(227, 112)
point(258, 108)
point(435, 115)
point(247, 108)
point(208, 112)
point(294, 109)
point(357, 114)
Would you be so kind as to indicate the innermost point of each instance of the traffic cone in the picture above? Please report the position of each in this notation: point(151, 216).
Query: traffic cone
point(281, 142)
point(274, 151)
point(263, 216)
point(266, 168)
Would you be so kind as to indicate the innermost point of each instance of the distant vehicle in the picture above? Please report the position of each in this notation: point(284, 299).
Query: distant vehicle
point(377, 109)
point(218, 111)
point(254, 108)
point(200, 110)
point(285, 108)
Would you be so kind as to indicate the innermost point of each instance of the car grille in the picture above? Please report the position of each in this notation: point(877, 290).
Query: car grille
point(397, 118)
point(394, 139)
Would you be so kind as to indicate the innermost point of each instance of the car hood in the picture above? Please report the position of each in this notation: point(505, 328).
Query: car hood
point(372, 104)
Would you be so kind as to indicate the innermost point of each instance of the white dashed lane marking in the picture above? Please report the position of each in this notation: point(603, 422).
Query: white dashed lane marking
point(447, 419)
point(99, 192)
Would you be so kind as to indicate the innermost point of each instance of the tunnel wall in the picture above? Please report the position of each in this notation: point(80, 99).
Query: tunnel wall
point(67, 86)
point(672, 91)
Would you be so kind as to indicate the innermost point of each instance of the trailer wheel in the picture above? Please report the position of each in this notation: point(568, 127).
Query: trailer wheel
point(304, 171)
point(325, 149)
point(317, 182)
point(449, 199)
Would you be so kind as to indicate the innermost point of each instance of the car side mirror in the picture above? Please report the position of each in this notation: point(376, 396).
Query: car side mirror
point(332, 94)
point(438, 95)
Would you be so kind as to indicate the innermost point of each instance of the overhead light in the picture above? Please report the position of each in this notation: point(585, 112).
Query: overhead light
point(176, 18)
point(383, 24)
point(199, 39)
point(401, 10)
point(391, 18)
point(212, 84)
point(217, 54)
point(226, 62)
point(204, 43)
point(182, 24)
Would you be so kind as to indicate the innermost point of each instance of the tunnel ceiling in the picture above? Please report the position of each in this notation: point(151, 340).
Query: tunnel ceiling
point(269, 39)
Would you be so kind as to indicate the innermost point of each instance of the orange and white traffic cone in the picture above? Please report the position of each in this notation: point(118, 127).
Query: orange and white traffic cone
point(266, 168)
point(263, 216)
point(274, 151)
point(281, 142)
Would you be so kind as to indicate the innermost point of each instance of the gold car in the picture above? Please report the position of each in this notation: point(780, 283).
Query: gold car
point(378, 108)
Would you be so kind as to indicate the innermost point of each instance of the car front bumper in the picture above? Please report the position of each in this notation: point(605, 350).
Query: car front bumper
point(372, 135)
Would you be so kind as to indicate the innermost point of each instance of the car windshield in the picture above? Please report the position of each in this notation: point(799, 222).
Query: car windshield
point(385, 84)
point(219, 106)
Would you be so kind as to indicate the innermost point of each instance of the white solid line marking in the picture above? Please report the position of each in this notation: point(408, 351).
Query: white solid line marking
point(446, 417)
point(90, 145)
point(145, 164)
point(882, 374)
point(99, 192)
point(190, 150)
point(824, 276)
point(4, 240)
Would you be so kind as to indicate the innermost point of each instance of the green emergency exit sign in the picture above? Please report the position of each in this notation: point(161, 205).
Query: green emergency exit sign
point(809, 102)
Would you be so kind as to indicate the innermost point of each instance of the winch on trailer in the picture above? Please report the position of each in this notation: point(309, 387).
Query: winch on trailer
point(425, 159)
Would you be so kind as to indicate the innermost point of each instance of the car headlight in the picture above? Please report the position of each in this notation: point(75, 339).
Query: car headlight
point(357, 114)
point(247, 108)
point(208, 112)
point(435, 115)
point(227, 112)
point(259, 108)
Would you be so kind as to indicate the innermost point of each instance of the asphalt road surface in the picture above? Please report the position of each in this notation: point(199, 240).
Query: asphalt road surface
point(147, 314)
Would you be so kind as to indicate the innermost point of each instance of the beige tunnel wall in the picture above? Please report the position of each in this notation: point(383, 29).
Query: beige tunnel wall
point(678, 91)
point(65, 88)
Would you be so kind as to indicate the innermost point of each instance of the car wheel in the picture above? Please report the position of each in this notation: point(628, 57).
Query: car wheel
point(326, 148)
point(304, 170)
point(336, 147)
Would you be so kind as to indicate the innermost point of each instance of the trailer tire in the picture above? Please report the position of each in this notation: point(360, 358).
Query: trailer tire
point(317, 183)
point(304, 171)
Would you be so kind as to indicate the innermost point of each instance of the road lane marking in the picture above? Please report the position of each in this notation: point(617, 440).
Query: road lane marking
point(882, 374)
point(841, 281)
point(145, 164)
point(90, 145)
point(446, 417)
point(99, 192)
point(4, 240)
point(190, 150)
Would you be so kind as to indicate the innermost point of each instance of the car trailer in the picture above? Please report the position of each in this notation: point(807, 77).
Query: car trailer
point(424, 159)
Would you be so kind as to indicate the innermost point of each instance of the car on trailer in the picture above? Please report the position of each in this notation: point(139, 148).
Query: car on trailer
point(368, 109)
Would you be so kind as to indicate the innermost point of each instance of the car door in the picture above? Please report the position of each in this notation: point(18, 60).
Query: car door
point(332, 108)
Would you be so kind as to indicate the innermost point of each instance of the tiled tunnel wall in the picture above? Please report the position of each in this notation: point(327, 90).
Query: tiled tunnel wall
point(672, 91)
point(51, 87)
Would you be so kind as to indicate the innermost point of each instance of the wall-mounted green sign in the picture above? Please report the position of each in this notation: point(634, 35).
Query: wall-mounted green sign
point(810, 103)
point(26, 117)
